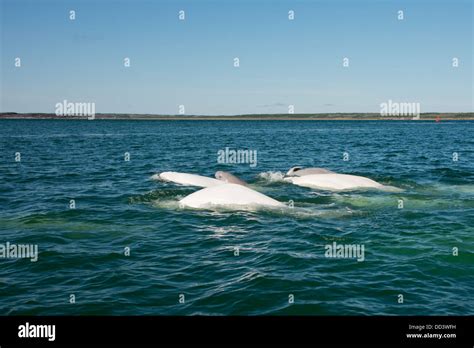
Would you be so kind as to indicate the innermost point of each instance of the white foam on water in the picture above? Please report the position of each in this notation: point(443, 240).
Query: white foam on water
point(172, 204)
point(272, 176)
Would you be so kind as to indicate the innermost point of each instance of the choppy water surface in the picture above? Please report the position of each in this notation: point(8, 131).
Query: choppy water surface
point(177, 251)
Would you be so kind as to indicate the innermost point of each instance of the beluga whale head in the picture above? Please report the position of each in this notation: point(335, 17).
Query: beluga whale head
point(292, 171)
point(229, 178)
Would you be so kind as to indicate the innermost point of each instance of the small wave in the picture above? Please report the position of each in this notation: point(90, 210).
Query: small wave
point(389, 188)
point(151, 196)
point(466, 189)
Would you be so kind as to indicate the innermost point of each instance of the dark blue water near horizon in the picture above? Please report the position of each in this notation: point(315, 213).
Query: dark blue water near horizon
point(176, 251)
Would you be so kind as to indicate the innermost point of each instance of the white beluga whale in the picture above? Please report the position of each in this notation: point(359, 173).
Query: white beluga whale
point(227, 191)
point(188, 179)
point(320, 178)
point(228, 195)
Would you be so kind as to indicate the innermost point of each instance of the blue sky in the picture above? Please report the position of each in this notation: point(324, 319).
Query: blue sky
point(282, 62)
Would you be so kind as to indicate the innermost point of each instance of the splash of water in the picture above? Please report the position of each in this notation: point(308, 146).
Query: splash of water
point(271, 176)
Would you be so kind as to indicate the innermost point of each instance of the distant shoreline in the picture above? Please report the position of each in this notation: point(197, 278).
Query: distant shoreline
point(461, 116)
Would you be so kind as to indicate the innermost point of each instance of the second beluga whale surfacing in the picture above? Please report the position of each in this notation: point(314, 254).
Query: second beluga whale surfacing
point(320, 178)
point(226, 191)
point(229, 178)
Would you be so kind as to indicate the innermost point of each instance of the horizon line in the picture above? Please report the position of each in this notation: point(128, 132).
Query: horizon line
point(236, 115)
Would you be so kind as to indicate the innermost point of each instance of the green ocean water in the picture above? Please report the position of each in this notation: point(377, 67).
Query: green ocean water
point(176, 251)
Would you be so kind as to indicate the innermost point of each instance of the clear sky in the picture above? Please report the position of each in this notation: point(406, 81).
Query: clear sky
point(282, 62)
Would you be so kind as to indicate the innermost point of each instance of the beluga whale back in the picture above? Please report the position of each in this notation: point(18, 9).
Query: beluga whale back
point(320, 178)
point(228, 195)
